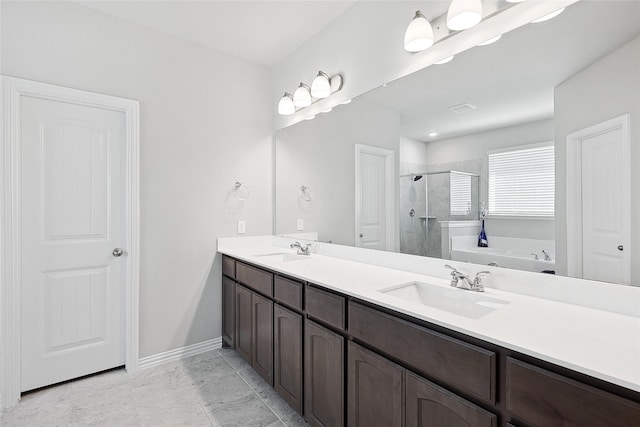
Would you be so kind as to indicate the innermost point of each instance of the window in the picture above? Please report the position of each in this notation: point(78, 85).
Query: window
point(522, 181)
point(460, 187)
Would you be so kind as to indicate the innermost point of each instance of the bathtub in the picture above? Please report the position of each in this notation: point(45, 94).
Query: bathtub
point(506, 252)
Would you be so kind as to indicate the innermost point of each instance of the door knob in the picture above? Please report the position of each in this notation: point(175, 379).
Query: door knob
point(620, 248)
point(117, 252)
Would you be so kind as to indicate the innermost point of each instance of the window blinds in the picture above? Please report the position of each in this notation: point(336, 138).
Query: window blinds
point(522, 182)
point(460, 187)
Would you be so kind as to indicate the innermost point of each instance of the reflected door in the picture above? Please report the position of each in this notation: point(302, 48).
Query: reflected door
point(72, 226)
point(598, 202)
point(603, 225)
point(373, 198)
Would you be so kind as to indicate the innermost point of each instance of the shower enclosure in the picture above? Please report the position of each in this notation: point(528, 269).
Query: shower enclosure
point(427, 200)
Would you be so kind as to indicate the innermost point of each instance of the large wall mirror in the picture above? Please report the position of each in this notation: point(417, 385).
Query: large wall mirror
point(538, 130)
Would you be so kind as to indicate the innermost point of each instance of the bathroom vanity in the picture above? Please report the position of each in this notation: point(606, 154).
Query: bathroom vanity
point(347, 343)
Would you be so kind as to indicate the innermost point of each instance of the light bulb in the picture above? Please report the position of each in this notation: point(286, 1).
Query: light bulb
point(302, 97)
point(464, 14)
point(321, 88)
point(419, 34)
point(285, 106)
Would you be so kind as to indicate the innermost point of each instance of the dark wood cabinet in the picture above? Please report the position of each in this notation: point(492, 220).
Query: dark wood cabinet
point(243, 322)
point(287, 378)
point(228, 312)
point(323, 376)
point(428, 405)
point(374, 389)
point(542, 398)
point(262, 337)
point(254, 330)
point(321, 350)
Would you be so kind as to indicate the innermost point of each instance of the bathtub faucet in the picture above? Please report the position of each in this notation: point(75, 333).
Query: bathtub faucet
point(462, 281)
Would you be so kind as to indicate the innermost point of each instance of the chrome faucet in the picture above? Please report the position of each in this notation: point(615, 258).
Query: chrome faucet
point(301, 250)
point(546, 255)
point(462, 281)
point(535, 256)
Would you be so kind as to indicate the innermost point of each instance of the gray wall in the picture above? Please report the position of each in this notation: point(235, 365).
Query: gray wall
point(468, 153)
point(320, 154)
point(198, 136)
point(606, 89)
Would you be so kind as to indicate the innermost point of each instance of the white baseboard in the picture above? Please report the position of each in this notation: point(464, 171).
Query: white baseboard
point(179, 353)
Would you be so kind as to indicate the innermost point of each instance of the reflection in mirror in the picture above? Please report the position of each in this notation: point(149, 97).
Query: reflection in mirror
point(541, 84)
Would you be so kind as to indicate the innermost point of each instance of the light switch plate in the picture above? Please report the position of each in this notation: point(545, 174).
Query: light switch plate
point(242, 227)
point(300, 225)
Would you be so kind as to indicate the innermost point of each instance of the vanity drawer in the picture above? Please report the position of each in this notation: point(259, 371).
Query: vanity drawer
point(326, 306)
point(543, 398)
point(466, 367)
point(228, 266)
point(255, 278)
point(288, 292)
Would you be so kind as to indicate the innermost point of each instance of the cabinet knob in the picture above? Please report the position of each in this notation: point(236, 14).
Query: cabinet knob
point(361, 235)
point(117, 252)
point(620, 248)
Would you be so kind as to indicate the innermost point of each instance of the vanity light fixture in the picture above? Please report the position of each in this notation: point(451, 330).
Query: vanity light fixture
point(490, 41)
point(419, 34)
point(285, 106)
point(321, 87)
point(548, 16)
point(302, 96)
point(445, 60)
point(348, 101)
point(311, 117)
point(327, 110)
point(515, 1)
point(464, 14)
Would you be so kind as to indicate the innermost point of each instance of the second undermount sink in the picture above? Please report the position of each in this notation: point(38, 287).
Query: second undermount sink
point(457, 301)
point(282, 256)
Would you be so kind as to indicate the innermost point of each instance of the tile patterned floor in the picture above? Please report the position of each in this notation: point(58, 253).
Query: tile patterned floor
point(217, 388)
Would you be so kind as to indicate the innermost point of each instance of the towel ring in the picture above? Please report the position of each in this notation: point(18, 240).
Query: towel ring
point(305, 193)
point(236, 188)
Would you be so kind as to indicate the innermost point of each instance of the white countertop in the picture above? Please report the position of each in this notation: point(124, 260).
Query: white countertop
point(598, 343)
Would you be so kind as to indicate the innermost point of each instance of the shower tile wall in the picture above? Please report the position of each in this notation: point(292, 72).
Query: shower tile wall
point(439, 202)
point(413, 231)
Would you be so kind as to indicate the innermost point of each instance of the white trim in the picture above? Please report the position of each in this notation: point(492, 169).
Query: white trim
point(390, 199)
point(460, 224)
point(10, 251)
point(521, 147)
point(179, 353)
point(574, 192)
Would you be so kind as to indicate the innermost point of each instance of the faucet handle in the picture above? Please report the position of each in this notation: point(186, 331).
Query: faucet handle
point(477, 282)
point(535, 256)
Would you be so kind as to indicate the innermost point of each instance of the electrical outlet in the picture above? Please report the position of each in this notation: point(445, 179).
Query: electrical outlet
point(242, 227)
point(300, 225)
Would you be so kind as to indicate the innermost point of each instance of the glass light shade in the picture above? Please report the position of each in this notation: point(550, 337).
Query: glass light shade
point(320, 87)
point(419, 34)
point(285, 106)
point(490, 41)
point(515, 1)
point(302, 97)
point(464, 14)
point(548, 16)
point(445, 60)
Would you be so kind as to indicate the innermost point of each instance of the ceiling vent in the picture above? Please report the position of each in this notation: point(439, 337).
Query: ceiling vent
point(462, 108)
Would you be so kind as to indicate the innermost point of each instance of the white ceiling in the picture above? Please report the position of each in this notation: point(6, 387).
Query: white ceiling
point(511, 81)
point(265, 32)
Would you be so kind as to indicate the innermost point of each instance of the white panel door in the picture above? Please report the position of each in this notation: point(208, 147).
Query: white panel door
point(372, 225)
point(73, 217)
point(603, 225)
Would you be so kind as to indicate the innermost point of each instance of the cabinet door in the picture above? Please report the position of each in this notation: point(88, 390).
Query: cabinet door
point(243, 322)
point(323, 376)
point(262, 340)
point(428, 405)
point(287, 379)
point(375, 389)
point(228, 311)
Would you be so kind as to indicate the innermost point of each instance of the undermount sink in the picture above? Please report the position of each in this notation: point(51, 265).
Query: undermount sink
point(457, 301)
point(282, 256)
